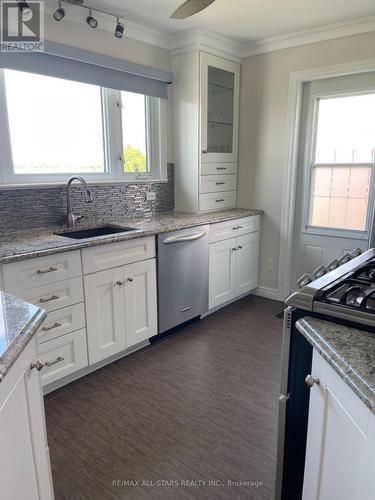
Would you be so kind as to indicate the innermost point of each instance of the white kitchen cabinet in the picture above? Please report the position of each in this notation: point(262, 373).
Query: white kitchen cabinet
point(206, 91)
point(340, 453)
point(105, 313)
point(247, 263)
point(24, 460)
point(140, 302)
point(233, 268)
point(121, 308)
point(219, 105)
point(222, 272)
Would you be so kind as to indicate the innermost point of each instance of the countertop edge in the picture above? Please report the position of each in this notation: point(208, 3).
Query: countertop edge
point(71, 245)
point(24, 336)
point(337, 362)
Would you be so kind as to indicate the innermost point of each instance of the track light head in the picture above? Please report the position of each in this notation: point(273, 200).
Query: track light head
point(24, 8)
point(91, 21)
point(59, 13)
point(119, 31)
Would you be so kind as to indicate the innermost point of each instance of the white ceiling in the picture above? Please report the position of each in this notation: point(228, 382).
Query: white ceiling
point(246, 21)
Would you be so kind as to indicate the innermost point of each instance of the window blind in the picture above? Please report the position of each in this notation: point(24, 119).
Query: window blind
point(76, 64)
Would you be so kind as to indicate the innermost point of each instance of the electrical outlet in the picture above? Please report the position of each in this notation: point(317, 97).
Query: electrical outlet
point(151, 196)
point(271, 265)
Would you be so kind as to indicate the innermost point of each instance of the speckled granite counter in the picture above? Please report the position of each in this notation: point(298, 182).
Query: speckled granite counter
point(18, 323)
point(23, 244)
point(349, 351)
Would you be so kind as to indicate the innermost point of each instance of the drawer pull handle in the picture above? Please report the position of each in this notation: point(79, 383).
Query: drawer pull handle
point(221, 168)
point(51, 327)
point(48, 299)
point(220, 183)
point(185, 309)
point(49, 270)
point(219, 200)
point(57, 360)
point(38, 364)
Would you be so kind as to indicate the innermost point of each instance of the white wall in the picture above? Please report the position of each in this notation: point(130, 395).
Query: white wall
point(75, 34)
point(264, 98)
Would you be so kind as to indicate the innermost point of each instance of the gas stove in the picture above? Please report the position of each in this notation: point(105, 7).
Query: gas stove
point(346, 293)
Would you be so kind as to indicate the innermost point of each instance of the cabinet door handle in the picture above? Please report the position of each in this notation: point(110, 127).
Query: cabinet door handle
point(119, 282)
point(130, 279)
point(310, 381)
point(51, 327)
point(48, 299)
point(204, 151)
point(38, 364)
point(239, 247)
point(234, 249)
point(49, 270)
point(57, 360)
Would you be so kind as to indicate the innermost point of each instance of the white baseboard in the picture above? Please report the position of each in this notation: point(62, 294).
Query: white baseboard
point(267, 293)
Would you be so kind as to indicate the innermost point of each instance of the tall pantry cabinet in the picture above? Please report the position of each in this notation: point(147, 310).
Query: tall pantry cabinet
point(206, 103)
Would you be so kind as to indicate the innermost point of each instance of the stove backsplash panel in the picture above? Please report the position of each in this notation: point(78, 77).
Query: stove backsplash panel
point(27, 208)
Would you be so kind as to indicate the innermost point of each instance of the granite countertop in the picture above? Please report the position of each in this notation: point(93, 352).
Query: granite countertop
point(349, 351)
point(26, 244)
point(19, 321)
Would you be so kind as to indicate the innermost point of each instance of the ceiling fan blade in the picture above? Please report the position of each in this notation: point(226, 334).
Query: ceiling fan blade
point(189, 8)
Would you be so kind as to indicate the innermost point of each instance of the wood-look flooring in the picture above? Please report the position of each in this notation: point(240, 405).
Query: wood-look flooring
point(197, 405)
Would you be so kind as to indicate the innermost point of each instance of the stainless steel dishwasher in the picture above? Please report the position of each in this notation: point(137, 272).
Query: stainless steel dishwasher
point(182, 276)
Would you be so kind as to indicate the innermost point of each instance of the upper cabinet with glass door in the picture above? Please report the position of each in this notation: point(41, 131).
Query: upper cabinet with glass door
point(219, 109)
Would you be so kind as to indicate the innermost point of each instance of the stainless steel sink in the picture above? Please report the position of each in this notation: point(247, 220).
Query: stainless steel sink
point(96, 231)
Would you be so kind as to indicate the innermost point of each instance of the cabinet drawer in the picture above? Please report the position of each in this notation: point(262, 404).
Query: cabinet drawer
point(215, 183)
point(31, 273)
point(56, 295)
point(218, 168)
point(62, 321)
point(63, 355)
point(103, 257)
point(236, 227)
point(217, 201)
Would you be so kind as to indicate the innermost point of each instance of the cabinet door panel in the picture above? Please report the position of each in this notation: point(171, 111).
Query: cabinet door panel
point(222, 272)
point(105, 313)
point(247, 263)
point(140, 301)
point(336, 440)
point(219, 86)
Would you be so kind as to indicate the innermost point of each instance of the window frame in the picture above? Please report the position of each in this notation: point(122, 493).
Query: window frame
point(309, 164)
point(112, 141)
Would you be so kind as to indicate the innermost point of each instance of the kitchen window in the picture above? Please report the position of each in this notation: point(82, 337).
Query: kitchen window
point(342, 163)
point(52, 128)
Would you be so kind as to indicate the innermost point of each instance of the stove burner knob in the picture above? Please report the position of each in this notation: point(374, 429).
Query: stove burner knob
point(345, 258)
point(371, 275)
point(355, 253)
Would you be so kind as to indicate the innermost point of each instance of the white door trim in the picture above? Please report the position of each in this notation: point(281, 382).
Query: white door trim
point(296, 81)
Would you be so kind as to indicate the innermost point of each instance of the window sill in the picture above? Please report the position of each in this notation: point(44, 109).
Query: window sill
point(89, 182)
point(336, 233)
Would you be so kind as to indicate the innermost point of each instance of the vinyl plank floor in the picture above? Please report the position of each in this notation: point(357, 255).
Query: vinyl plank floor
point(178, 419)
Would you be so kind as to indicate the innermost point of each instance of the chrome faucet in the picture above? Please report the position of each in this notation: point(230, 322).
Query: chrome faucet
point(71, 217)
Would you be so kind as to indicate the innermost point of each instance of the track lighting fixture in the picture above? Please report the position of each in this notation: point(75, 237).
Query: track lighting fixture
point(24, 8)
point(91, 21)
point(59, 14)
point(119, 29)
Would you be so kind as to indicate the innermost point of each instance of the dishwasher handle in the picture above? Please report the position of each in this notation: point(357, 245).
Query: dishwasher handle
point(181, 239)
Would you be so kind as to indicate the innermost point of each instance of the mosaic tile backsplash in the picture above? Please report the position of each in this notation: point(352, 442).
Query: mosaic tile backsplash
point(28, 208)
